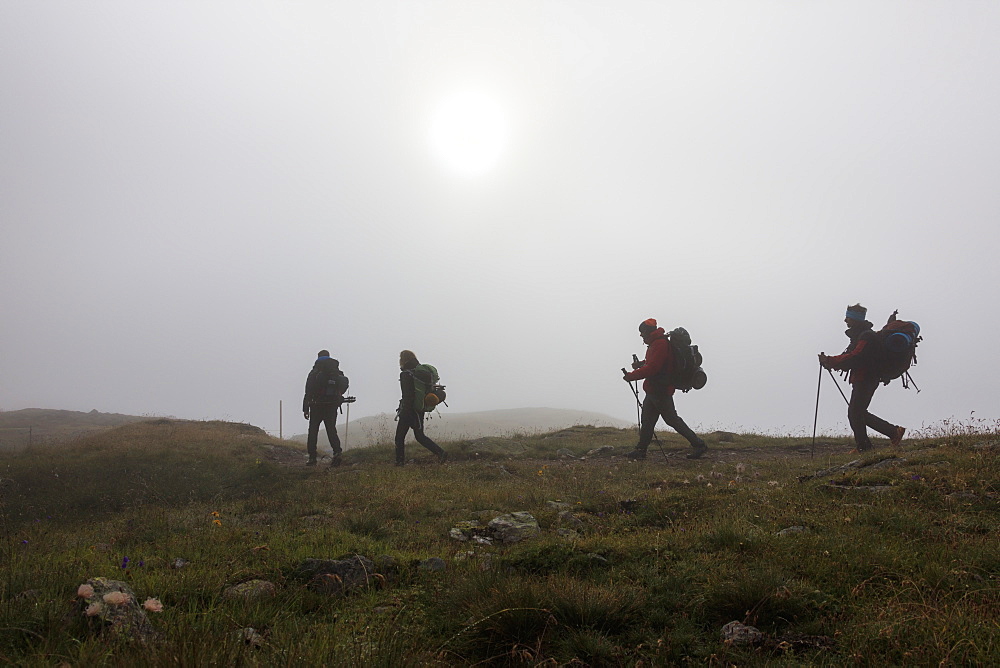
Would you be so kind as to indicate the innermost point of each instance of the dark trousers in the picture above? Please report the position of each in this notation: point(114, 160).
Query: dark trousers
point(861, 419)
point(410, 419)
point(662, 405)
point(327, 415)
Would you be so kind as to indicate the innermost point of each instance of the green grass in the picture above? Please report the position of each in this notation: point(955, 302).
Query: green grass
point(666, 551)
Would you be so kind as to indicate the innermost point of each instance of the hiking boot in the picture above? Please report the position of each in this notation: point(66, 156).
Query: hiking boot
point(442, 456)
point(897, 437)
point(698, 451)
point(311, 462)
point(637, 454)
point(335, 460)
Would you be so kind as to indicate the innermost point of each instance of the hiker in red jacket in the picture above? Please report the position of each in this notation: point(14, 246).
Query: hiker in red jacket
point(656, 372)
point(861, 359)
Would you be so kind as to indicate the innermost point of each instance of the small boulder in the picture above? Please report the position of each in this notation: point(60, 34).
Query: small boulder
point(112, 606)
point(513, 527)
point(735, 633)
point(337, 576)
point(433, 564)
point(568, 518)
point(465, 530)
point(249, 590)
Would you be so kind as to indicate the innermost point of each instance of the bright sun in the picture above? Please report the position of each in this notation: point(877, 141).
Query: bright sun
point(468, 132)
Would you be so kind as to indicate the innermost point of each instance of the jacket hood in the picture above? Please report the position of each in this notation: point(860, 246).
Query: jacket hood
point(657, 333)
point(327, 364)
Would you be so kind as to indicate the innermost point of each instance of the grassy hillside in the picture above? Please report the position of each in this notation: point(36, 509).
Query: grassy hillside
point(890, 558)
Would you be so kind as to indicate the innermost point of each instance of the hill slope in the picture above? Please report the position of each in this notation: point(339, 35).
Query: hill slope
point(446, 426)
point(42, 425)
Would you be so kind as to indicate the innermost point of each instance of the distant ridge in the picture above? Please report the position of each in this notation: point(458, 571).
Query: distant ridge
point(43, 425)
point(448, 426)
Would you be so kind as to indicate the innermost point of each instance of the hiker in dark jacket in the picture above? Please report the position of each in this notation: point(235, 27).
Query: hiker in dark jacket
point(861, 360)
point(656, 371)
point(407, 414)
point(321, 404)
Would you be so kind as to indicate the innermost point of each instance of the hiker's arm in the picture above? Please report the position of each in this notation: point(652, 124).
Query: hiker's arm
point(305, 398)
point(848, 360)
point(657, 360)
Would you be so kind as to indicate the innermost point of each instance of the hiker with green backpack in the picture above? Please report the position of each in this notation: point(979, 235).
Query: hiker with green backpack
point(420, 394)
point(659, 372)
point(871, 358)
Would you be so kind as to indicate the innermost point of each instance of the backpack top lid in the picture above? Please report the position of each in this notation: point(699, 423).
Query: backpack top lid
point(679, 337)
point(900, 335)
point(425, 373)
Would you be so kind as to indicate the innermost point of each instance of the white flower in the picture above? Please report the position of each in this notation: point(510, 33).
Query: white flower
point(153, 605)
point(93, 609)
point(85, 591)
point(116, 598)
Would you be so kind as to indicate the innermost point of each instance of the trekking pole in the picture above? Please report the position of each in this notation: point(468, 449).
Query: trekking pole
point(347, 425)
point(812, 450)
point(846, 401)
point(635, 391)
point(638, 404)
point(907, 374)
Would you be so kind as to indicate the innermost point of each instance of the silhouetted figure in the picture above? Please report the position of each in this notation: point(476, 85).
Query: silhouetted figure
point(656, 371)
point(325, 388)
point(862, 359)
point(411, 412)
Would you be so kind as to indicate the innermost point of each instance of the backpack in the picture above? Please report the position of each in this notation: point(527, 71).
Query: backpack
point(331, 387)
point(427, 390)
point(898, 347)
point(687, 374)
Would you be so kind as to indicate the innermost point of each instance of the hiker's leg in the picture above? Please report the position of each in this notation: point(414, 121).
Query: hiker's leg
point(402, 426)
point(424, 440)
point(647, 423)
point(875, 422)
point(670, 416)
point(330, 422)
point(315, 418)
point(857, 412)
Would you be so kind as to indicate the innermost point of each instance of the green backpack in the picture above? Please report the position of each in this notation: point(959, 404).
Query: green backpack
point(427, 390)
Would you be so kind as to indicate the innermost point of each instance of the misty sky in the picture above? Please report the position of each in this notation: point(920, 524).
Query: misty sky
point(195, 197)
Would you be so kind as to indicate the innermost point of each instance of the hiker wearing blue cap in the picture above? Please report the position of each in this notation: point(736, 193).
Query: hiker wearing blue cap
point(862, 361)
